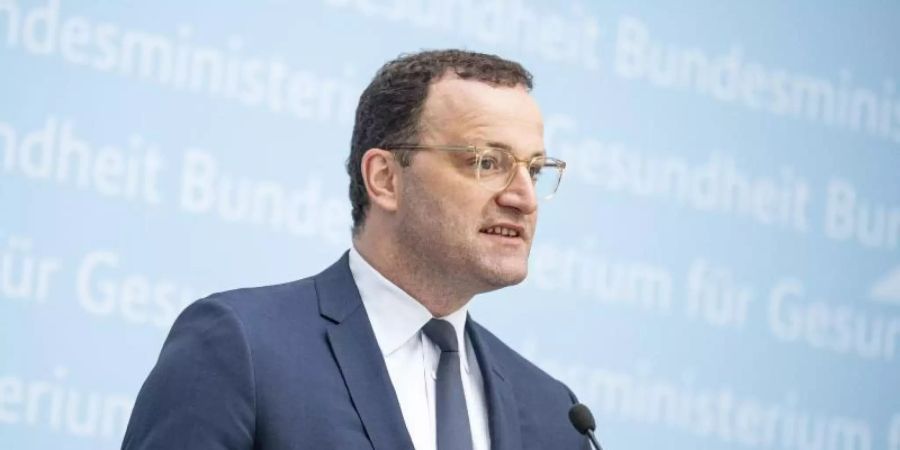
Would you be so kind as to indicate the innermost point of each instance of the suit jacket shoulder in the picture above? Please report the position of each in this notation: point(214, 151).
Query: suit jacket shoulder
point(249, 368)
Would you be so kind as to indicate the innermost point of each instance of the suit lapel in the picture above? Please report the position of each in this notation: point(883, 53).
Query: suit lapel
point(359, 358)
point(503, 411)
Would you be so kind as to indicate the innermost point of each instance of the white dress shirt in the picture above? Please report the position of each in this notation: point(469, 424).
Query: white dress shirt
point(412, 359)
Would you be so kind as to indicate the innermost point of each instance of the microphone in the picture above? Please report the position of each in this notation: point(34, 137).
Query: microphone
point(583, 421)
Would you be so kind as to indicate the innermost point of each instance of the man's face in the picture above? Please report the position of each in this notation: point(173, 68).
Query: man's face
point(449, 224)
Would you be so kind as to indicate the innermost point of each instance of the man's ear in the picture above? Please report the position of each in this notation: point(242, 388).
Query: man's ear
point(380, 173)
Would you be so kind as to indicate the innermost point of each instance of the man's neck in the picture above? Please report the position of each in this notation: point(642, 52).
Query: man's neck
point(435, 291)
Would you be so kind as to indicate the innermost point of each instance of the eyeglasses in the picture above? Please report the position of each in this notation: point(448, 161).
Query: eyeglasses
point(494, 167)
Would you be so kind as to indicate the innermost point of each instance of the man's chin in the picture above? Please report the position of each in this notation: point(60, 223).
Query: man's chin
point(504, 275)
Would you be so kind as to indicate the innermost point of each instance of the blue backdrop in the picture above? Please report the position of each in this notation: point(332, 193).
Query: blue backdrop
point(719, 269)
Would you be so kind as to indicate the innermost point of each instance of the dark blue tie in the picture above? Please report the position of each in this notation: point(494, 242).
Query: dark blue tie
point(452, 417)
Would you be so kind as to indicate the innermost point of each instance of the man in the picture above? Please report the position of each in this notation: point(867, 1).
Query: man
point(446, 169)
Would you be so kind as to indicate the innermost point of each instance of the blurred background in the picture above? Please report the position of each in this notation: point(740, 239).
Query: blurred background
point(719, 270)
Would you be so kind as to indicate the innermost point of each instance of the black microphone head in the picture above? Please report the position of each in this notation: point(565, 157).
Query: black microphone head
point(581, 418)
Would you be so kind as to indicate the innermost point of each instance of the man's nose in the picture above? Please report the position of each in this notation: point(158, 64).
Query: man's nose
point(520, 193)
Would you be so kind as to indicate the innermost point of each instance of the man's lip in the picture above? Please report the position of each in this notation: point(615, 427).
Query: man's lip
point(517, 228)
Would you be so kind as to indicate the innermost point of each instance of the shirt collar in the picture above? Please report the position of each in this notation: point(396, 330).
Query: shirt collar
point(397, 317)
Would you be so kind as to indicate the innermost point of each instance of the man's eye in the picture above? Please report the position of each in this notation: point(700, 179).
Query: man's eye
point(488, 163)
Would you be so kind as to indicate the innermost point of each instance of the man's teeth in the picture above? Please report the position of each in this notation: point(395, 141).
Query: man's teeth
point(502, 231)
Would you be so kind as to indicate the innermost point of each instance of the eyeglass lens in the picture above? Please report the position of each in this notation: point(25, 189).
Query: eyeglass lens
point(496, 168)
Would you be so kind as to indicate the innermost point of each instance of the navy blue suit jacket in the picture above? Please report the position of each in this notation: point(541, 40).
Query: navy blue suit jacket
point(297, 366)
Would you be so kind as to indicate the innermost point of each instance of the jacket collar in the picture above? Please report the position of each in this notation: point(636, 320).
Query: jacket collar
point(503, 410)
point(359, 358)
point(362, 365)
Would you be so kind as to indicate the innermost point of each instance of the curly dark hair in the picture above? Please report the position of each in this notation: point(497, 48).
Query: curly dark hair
point(391, 106)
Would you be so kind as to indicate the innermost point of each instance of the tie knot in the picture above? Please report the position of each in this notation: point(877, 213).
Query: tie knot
point(442, 333)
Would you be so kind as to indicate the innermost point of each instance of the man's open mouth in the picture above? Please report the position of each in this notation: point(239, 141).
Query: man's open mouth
point(501, 231)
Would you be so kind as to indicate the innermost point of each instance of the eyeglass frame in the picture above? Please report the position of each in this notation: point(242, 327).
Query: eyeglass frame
point(560, 165)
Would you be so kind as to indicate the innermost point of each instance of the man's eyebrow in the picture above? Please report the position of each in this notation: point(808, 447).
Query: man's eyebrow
point(506, 146)
point(499, 145)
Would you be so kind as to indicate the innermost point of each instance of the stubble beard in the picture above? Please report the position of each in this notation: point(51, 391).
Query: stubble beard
point(440, 249)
